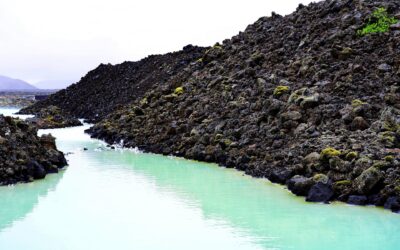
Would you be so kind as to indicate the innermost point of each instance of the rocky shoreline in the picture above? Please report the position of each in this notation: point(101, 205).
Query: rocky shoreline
point(53, 117)
point(24, 156)
point(21, 98)
point(304, 100)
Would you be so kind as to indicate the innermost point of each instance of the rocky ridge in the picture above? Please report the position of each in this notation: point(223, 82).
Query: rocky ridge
point(107, 87)
point(24, 156)
point(302, 100)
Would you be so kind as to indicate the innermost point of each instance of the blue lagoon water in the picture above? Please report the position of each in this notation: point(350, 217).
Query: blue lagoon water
point(124, 199)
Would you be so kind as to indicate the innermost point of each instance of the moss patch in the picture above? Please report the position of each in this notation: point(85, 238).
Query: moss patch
point(357, 102)
point(178, 91)
point(351, 155)
point(144, 101)
point(320, 178)
point(280, 90)
point(328, 153)
point(389, 158)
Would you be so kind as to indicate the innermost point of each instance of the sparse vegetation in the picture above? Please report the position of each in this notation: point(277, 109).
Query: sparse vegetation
point(379, 22)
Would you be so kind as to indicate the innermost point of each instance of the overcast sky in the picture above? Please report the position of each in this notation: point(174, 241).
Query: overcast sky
point(60, 40)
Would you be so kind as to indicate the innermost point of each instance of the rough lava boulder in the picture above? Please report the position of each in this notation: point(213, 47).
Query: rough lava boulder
point(24, 156)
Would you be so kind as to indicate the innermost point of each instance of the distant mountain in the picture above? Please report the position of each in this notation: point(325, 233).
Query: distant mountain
point(7, 83)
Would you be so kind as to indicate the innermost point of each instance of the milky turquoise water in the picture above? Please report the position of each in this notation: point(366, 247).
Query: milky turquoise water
point(122, 199)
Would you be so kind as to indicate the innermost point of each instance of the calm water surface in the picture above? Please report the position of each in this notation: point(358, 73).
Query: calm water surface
point(122, 199)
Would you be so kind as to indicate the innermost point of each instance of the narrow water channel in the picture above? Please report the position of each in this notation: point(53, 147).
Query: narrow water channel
point(123, 199)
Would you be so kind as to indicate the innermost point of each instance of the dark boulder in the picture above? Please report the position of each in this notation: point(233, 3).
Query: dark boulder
point(357, 199)
point(393, 203)
point(37, 170)
point(299, 185)
point(23, 155)
point(368, 179)
point(280, 176)
point(320, 192)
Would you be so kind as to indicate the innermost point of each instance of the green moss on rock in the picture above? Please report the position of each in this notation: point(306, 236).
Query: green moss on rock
point(389, 158)
point(351, 155)
point(280, 90)
point(178, 91)
point(397, 190)
point(357, 102)
point(368, 179)
point(227, 142)
point(391, 126)
point(340, 186)
point(388, 138)
point(329, 152)
point(320, 178)
point(342, 183)
point(381, 165)
point(144, 101)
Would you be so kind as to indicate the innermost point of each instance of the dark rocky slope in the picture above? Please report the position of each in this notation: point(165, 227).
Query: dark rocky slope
point(301, 100)
point(23, 155)
point(108, 86)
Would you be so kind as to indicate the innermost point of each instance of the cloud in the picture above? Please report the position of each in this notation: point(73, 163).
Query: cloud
point(49, 40)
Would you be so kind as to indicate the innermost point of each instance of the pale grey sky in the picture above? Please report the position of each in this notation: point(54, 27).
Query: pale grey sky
point(44, 40)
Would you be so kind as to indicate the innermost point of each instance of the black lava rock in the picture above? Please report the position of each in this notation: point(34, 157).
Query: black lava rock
point(320, 192)
point(393, 203)
point(23, 155)
point(357, 199)
point(299, 185)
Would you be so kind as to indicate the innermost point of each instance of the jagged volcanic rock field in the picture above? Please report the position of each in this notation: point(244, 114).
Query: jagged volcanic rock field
point(23, 155)
point(105, 88)
point(303, 100)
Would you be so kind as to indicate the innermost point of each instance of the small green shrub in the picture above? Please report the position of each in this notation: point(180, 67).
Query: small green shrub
point(379, 22)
